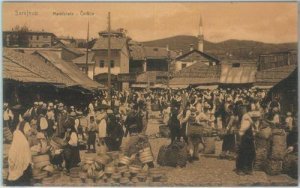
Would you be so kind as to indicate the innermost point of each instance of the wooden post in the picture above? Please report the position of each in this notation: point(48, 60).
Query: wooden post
point(168, 60)
point(87, 51)
point(109, 59)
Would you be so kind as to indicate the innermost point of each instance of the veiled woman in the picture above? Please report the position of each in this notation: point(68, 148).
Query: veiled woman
point(19, 157)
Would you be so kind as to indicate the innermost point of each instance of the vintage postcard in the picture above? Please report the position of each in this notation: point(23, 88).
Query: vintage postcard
point(150, 94)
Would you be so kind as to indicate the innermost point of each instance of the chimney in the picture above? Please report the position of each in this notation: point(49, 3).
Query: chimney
point(191, 47)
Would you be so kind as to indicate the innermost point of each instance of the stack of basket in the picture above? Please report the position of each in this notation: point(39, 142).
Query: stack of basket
point(42, 167)
point(278, 150)
point(120, 170)
point(145, 155)
point(7, 135)
point(5, 174)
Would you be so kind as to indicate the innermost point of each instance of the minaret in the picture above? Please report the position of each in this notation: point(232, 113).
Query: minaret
point(200, 36)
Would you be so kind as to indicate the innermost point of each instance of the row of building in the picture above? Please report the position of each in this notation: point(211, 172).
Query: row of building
point(135, 65)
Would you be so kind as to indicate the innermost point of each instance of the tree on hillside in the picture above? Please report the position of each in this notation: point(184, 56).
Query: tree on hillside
point(23, 37)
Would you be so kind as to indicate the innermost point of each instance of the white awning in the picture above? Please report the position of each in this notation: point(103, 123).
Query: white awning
point(163, 86)
point(179, 86)
point(210, 87)
point(262, 87)
point(139, 85)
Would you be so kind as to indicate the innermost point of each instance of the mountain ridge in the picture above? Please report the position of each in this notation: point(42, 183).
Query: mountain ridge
point(231, 48)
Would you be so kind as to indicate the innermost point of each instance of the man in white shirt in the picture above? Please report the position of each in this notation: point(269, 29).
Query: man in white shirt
point(8, 116)
point(246, 150)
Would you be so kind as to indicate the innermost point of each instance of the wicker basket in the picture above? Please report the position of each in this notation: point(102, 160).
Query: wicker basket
point(209, 145)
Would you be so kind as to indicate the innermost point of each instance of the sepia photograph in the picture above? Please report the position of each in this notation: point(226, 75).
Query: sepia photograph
point(150, 94)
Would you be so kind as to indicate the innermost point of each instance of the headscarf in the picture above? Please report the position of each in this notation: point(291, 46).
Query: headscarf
point(19, 156)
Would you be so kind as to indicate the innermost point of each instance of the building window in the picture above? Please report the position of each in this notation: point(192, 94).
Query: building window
point(45, 36)
point(183, 65)
point(37, 37)
point(101, 64)
point(31, 37)
point(236, 64)
point(112, 64)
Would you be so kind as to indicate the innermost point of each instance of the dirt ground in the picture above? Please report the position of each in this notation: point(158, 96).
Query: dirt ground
point(208, 171)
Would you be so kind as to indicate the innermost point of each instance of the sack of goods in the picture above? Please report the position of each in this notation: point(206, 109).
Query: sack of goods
point(290, 165)
point(161, 157)
point(278, 149)
point(209, 145)
point(265, 130)
point(273, 167)
point(164, 131)
point(200, 129)
point(173, 155)
point(261, 149)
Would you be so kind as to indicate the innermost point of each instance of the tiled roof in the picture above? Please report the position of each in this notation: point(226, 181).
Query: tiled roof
point(192, 55)
point(151, 76)
point(274, 75)
point(197, 73)
point(74, 50)
point(115, 43)
point(136, 50)
point(32, 32)
point(82, 59)
point(155, 53)
point(237, 75)
point(38, 67)
point(71, 70)
point(14, 71)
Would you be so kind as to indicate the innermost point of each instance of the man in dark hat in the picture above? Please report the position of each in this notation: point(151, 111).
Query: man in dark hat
point(61, 118)
point(115, 131)
point(143, 115)
point(131, 122)
point(174, 124)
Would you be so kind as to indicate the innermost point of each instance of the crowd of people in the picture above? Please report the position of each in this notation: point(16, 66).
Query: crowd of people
point(105, 122)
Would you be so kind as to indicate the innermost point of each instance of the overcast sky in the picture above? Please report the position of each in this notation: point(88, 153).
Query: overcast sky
point(266, 22)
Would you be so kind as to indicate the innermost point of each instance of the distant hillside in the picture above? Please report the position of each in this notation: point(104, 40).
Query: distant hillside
point(238, 49)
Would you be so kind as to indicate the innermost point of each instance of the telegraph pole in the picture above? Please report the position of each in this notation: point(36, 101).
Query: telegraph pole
point(109, 59)
point(168, 60)
point(87, 51)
